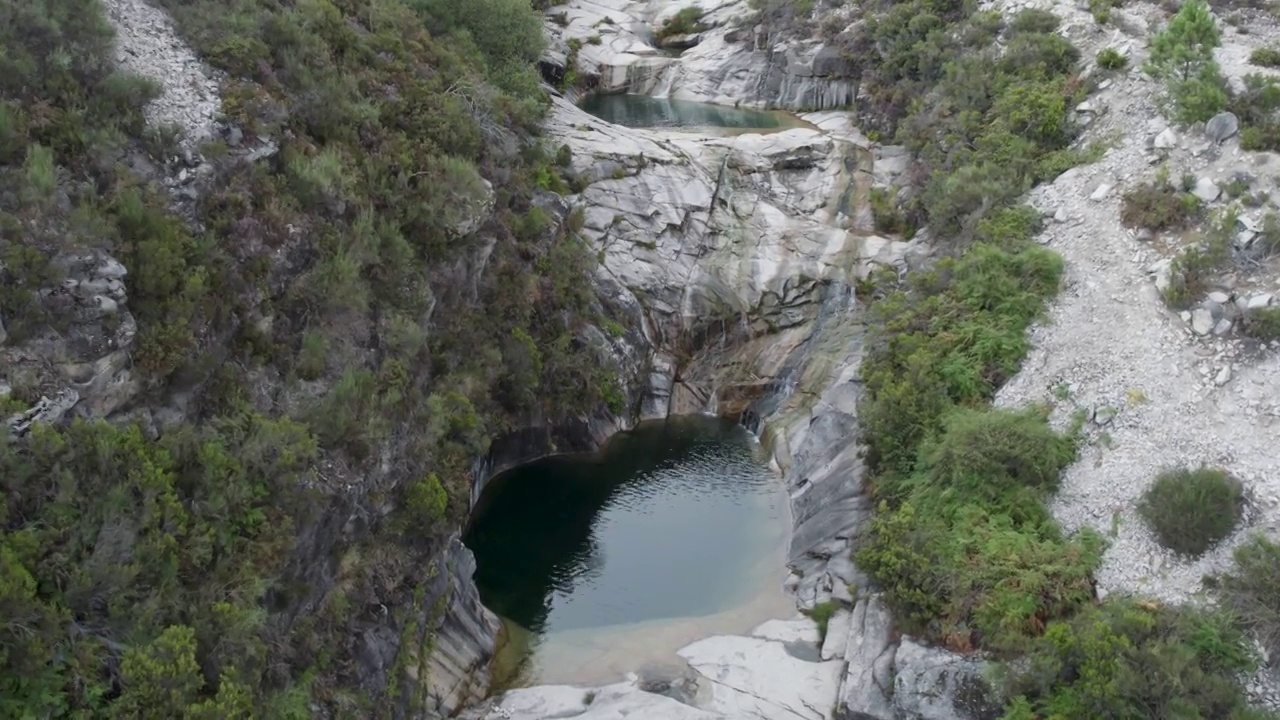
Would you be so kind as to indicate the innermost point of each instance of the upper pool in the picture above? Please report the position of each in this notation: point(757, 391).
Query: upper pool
point(643, 111)
point(606, 563)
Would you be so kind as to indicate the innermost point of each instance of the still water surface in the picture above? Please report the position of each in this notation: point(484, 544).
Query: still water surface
point(644, 111)
point(606, 563)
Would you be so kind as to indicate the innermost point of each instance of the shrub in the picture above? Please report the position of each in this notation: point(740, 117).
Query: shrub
point(1182, 56)
point(1263, 324)
point(1191, 510)
point(1265, 57)
point(1111, 59)
point(1101, 9)
point(1134, 659)
point(822, 614)
point(1159, 206)
point(687, 21)
point(1033, 20)
point(1251, 589)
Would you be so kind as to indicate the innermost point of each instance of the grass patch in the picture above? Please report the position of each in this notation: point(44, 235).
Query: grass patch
point(1111, 59)
point(822, 614)
point(1251, 590)
point(1265, 57)
point(1191, 510)
point(1263, 324)
point(1159, 206)
point(687, 21)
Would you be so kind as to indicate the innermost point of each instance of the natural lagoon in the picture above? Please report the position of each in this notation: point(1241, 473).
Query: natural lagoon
point(605, 563)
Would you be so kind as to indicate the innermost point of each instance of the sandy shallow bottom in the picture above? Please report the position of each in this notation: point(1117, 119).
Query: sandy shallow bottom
point(601, 655)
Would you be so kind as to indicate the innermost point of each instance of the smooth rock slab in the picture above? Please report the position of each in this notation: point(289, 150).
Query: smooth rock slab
point(868, 681)
point(611, 702)
point(762, 680)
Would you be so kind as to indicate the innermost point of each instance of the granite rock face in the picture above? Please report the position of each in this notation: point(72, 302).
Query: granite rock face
point(735, 60)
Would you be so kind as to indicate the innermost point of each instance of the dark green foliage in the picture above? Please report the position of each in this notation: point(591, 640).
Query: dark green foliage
point(962, 544)
point(1101, 9)
point(1133, 659)
point(687, 21)
point(158, 577)
point(1111, 59)
point(1263, 324)
point(821, 614)
point(115, 543)
point(1033, 20)
point(1256, 108)
point(1182, 57)
point(971, 555)
point(1191, 510)
point(1159, 206)
point(1251, 590)
point(1265, 57)
point(950, 337)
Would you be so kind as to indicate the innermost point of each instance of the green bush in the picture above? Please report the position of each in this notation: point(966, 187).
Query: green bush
point(1133, 659)
point(961, 543)
point(972, 521)
point(1256, 108)
point(821, 614)
point(1265, 57)
point(687, 21)
point(1191, 510)
point(1111, 59)
point(1159, 206)
point(1182, 57)
point(1251, 590)
point(1033, 20)
point(323, 262)
point(1101, 9)
point(1263, 324)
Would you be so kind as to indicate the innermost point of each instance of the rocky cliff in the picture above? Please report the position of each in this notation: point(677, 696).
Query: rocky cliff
point(736, 56)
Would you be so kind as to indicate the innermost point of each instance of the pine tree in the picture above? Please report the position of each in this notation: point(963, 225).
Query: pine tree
point(1182, 56)
point(1181, 50)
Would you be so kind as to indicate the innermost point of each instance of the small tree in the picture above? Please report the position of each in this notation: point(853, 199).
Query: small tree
point(1182, 56)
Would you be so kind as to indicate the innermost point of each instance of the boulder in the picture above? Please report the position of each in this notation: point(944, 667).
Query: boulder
point(935, 684)
point(1206, 189)
point(865, 692)
point(1222, 126)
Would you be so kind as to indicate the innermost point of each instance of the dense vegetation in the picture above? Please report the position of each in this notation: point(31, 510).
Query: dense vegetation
point(962, 544)
point(1191, 510)
point(340, 361)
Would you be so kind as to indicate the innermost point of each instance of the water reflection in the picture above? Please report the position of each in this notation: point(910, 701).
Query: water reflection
point(670, 521)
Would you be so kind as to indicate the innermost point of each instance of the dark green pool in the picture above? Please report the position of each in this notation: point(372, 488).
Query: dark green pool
point(671, 524)
point(649, 112)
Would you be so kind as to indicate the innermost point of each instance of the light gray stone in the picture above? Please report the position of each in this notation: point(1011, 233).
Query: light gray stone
point(1259, 301)
point(933, 684)
point(837, 638)
point(755, 678)
point(1202, 321)
point(1166, 140)
point(868, 684)
point(1101, 192)
point(1222, 126)
point(1206, 189)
